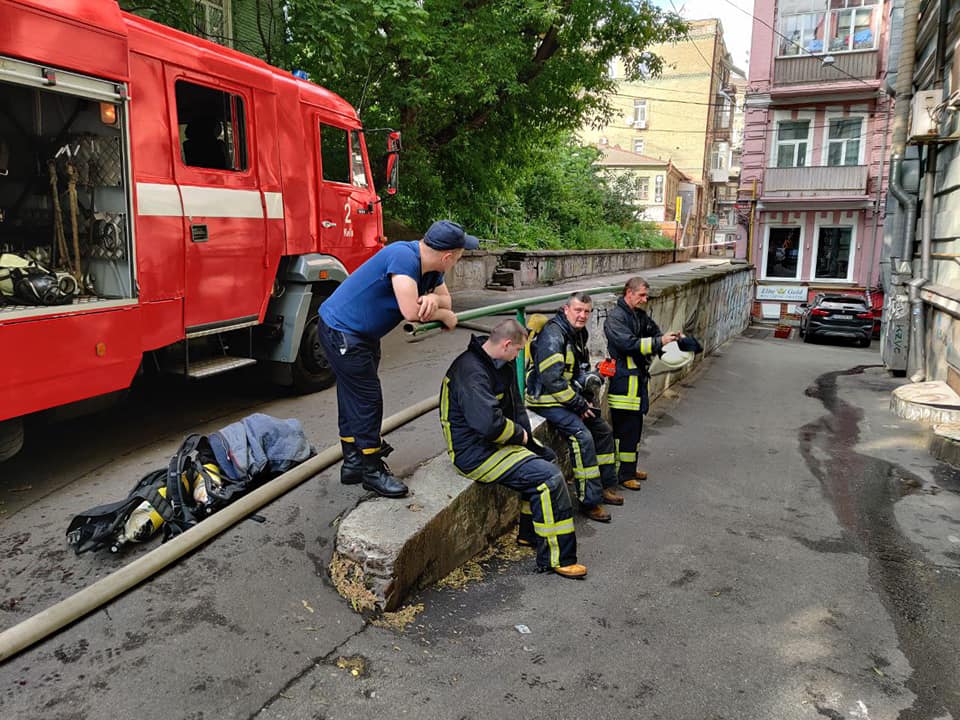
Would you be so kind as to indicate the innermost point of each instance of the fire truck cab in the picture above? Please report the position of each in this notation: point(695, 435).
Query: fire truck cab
point(164, 202)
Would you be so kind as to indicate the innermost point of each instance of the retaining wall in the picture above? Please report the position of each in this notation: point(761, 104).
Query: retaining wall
point(546, 267)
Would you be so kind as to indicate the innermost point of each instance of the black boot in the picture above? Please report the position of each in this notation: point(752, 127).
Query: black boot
point(351, 472)
point(378, 478)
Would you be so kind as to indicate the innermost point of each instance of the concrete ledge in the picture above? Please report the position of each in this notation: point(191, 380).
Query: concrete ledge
point(945, 443)
point(931, 403)
point(404, 545)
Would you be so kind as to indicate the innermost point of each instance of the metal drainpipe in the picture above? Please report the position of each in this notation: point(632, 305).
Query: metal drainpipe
point(906, 200)
point(918, 354)
point(918, 350)
point(896, 329)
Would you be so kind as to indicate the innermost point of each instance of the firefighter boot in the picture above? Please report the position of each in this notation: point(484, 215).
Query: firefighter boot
point(351, 471)
point(597, 513)
point(574, 572)
point(378, 478)
point(612, 497)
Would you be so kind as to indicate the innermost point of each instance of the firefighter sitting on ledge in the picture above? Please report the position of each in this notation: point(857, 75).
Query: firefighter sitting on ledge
point(489, 440)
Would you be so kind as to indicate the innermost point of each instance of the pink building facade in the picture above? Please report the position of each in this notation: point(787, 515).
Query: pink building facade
point(813, 180)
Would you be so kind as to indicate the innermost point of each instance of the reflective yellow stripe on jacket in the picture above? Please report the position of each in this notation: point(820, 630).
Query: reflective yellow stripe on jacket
point(632, 400)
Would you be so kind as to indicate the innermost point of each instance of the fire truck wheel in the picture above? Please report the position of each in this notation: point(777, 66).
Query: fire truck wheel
point(11, 438)
point(311, 371)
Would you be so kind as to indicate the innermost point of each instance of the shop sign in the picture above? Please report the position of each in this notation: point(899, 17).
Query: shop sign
point(783, 293)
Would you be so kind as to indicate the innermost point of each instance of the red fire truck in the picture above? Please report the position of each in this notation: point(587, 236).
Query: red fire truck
point(192, 205)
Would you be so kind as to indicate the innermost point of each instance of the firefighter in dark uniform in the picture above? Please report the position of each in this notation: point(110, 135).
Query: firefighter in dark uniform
point(489, 440)
point(557, 391)
point(403, 281)
point(633, 338)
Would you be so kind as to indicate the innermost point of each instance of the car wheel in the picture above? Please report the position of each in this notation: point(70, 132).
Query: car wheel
point(807, 337)
point(865, 342)
point(311, 370)
point(11, 438)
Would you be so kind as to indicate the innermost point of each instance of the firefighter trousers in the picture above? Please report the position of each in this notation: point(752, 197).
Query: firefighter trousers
point(541, 484)
point(627, 427)
point(355, 361)
point(591, 452)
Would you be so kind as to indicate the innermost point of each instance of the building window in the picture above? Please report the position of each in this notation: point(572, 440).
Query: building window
point(640, 113)
point(792, 143)
point(643, 188)
point(783, 252)
point(851, 25)
point(638, 145)
point(213, 20)
point(612, 69)
point(843, 141)
point(658, 189)
point(212, 127)
point(719, 156)
point(801, 34)
point(812, 27)
point(834, 247)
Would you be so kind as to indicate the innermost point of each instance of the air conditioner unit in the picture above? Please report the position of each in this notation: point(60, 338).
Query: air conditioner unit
point(923, 120)
point(640, 124)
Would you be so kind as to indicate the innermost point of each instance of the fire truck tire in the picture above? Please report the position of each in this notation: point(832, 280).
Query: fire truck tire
point(11, 438)
point(311, 371)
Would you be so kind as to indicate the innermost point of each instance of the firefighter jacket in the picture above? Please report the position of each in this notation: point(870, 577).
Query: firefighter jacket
point(558, 357)
point(483, 416)
point(633, 338)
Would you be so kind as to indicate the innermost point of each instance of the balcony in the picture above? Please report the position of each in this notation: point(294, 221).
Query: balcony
point(721, 175)
point(815, 181)
point(810, 70)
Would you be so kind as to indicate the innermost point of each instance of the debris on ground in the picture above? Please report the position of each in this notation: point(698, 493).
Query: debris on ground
point(504, 548)
point(356, 664)
point(347, 577)
point(398, 620)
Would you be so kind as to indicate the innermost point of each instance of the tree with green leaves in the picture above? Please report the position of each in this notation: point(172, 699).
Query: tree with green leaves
point(486, 92)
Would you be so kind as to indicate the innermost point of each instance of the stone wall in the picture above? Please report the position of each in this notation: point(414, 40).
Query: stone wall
point(546, 267)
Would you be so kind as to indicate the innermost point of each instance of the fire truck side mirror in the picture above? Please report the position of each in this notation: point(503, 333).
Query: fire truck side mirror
point(393, 162)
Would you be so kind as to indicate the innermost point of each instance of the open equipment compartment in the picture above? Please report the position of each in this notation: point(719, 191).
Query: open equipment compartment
point(65, 201)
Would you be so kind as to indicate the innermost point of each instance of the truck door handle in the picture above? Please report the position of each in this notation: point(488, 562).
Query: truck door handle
point(328, 224)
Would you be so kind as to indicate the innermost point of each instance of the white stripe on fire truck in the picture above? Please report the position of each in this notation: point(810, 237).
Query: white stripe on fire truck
point(274, 202)
point(155, 199)
point(221, 202)
point(165, 200)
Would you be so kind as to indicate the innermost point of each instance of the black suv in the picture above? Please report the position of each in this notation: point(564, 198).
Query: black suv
point(837, 316)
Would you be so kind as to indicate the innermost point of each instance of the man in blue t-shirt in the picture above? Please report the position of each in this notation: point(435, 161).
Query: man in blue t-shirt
point(404, 281)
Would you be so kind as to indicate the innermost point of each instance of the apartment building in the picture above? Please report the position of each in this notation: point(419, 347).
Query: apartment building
point(922, 315)
point(813, 178)
point(684, 117)
point(657, 184)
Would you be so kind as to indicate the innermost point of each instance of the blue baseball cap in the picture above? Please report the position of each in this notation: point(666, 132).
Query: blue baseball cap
point(448, 235)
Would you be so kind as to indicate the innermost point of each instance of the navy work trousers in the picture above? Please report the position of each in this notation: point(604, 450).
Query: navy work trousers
point(541, 483)
point(627, 427)
point(591, 451)
point(355, 361)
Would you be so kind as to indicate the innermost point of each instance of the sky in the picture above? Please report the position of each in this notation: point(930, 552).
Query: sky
point(737, 24)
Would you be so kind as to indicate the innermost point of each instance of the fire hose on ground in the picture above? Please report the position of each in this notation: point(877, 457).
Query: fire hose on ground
point(37, 627)
point(45, 623)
